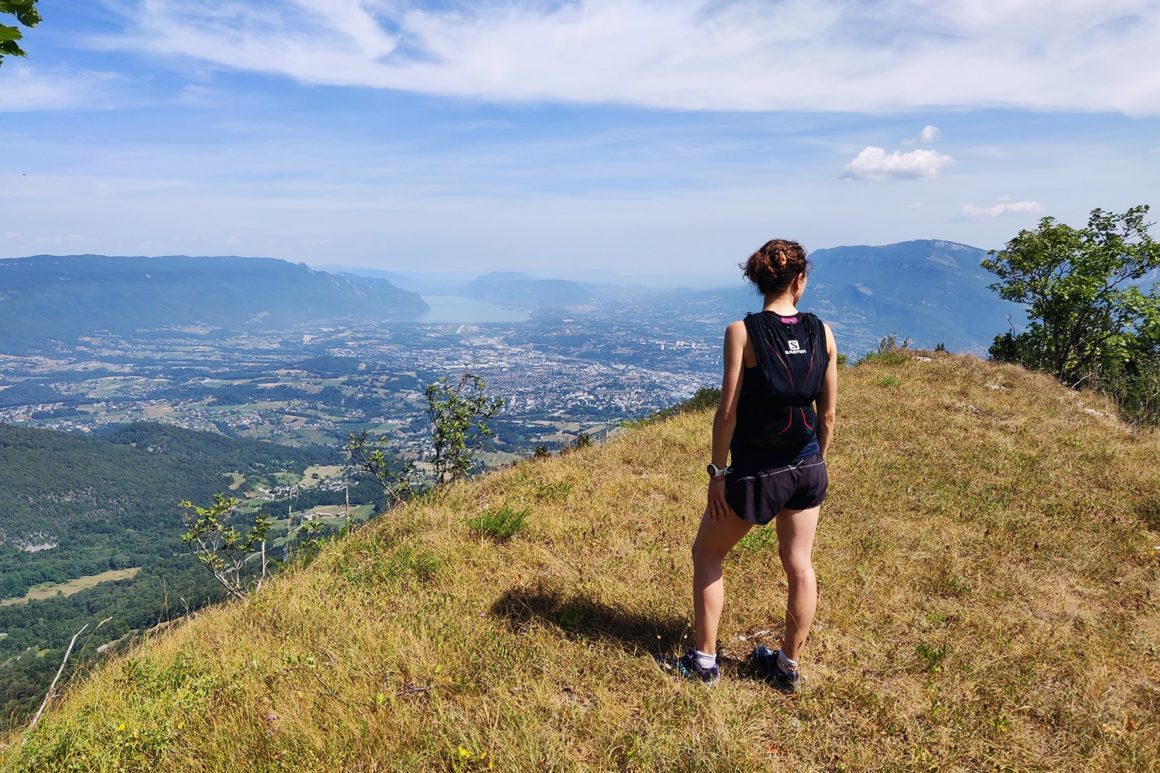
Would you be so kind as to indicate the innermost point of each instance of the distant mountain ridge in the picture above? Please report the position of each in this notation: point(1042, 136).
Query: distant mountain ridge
point(929, 290)
point(520, 289)
point(61, 297)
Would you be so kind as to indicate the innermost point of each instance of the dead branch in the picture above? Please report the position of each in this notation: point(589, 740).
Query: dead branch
point(52, 687)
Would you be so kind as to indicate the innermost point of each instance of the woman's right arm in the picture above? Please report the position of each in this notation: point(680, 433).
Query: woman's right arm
point(725, 420)
point(828, 400)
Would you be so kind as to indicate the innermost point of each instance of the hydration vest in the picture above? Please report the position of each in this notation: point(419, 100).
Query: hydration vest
point(792, 357)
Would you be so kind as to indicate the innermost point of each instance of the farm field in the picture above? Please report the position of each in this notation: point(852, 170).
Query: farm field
point(49, 589)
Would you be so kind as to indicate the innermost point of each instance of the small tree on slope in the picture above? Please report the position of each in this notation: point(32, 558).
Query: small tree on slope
point(223, 548)
point(459, 412)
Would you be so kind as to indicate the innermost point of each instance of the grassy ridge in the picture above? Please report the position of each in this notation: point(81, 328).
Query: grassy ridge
point(988, 599)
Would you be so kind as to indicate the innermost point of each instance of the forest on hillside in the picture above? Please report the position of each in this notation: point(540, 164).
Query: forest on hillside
point(78, 506)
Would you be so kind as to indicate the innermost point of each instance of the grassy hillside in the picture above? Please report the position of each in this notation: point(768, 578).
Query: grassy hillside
point(988, 599)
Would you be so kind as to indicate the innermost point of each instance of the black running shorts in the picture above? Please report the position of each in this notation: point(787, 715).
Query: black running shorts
point(759, 497)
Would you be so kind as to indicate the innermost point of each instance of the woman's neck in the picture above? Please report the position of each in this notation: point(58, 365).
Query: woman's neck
point(782, 304)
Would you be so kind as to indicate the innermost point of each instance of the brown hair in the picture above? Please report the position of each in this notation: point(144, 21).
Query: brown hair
point(774, 267)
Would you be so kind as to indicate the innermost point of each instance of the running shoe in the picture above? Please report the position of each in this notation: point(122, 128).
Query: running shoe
point(765, 662)
point(688, 668)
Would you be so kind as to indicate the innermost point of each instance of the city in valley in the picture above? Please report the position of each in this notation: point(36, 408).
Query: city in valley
point(558, 377)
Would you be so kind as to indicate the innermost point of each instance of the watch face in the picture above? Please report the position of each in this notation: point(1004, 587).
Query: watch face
point(713, 471)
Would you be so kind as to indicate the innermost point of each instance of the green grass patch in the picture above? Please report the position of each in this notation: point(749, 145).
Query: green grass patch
point(377, 564)
point(500, 524)
point(553, 492)
point(758, 539)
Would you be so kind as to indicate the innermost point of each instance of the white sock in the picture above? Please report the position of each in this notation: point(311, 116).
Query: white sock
point(704, 660)
point(787, 665)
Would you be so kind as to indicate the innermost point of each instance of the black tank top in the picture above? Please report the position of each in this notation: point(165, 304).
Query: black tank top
point(776, 420)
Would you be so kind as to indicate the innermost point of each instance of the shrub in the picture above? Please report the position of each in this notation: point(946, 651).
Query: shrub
point(888, 352)
point(500, 524)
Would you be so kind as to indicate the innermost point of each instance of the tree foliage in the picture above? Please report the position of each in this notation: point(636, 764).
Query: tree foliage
point(459, 412)
point(10, 35)
point(223, 548)
point(1091, 315)
point(371, 458)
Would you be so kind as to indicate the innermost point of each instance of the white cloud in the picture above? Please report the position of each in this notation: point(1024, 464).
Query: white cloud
point(842, 55)
point(928, 136)
point(24, 88)
point(874, 163)
point(1003, 208)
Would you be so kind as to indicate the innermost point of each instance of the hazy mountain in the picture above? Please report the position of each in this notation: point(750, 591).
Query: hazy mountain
point(48, 297)
point(519, 289)
point(422, 282)
point(930, 291)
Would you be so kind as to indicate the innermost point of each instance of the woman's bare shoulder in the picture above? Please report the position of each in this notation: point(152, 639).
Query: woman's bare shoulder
point(735, 331)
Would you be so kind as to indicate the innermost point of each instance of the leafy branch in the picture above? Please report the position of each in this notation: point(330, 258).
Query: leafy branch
point(459, 413)
point(10, 35)
point(223, 548)
point(371, 458)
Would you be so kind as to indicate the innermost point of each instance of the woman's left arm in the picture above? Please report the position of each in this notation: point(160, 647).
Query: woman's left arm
point(827, 402)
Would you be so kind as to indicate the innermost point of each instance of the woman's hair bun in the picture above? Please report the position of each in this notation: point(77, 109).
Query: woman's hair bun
point(774, 267)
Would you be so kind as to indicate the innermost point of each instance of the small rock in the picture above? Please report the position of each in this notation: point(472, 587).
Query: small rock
point(922, 359)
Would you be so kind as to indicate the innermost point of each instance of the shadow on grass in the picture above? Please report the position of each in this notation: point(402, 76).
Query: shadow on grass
point(579, 616)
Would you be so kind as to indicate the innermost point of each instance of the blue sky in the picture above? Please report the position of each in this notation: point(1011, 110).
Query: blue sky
point(559, 137)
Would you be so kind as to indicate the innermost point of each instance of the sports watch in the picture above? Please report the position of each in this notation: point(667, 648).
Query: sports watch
point(716, 472)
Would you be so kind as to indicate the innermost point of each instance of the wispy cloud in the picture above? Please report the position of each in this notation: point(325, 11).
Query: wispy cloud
point(928, 136)
point(839, 55)
point(24, 88)
point(1003, 208)
point(874, 163)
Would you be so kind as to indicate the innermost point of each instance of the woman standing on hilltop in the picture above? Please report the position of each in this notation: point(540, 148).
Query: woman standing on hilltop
point(779, 363)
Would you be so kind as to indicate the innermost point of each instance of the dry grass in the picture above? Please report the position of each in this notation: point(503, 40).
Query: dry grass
point(988, 601)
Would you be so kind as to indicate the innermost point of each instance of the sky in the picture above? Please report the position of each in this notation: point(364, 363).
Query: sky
point(642, 137)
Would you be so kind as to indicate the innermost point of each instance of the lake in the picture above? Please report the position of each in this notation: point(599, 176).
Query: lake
point(457, 309)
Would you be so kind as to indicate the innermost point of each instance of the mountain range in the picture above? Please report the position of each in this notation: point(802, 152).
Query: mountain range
point(931, 291)
point(46, 298)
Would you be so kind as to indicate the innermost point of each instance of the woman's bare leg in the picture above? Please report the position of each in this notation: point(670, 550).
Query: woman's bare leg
point(795, 537)
point(714, 541)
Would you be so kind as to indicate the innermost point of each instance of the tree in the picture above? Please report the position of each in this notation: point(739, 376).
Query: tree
point(459, 413)
point(10, 36)
point(221, 547)
point(1083, 290)
point(371, 458)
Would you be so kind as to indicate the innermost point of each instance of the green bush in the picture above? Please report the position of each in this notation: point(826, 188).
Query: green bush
point(500, 524)
point(1135, 388)
point(889, 351)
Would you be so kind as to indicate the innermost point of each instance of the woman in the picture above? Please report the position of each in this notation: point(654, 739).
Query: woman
point(779, 364)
